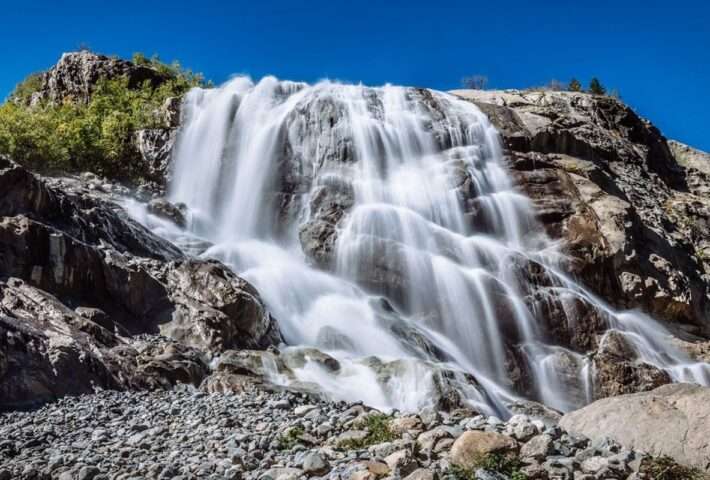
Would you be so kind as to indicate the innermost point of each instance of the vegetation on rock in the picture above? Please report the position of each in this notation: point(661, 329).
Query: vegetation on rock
point(290, 438)
point(665, 468)
point(508, 465)
point(97, 135)
point(379, 430)
point(574, 85)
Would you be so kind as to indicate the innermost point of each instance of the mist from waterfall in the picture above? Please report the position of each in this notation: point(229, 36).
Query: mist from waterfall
point(439, 275)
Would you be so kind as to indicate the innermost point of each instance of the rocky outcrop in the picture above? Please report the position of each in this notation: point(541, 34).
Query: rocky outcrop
point(76, 75)
point(672, 420)
point(78, 279)
point(634, 218)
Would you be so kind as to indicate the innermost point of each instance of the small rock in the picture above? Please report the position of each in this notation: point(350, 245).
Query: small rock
point(378, 468)
point(537, 447)
point(402, 462)
point(315, 464)
point(421, 474)
point(88, 473)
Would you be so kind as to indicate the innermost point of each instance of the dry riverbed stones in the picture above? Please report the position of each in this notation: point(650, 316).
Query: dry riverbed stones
point(188, 434)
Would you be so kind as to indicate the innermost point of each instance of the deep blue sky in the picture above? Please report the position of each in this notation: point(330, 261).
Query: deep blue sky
point(656, 53)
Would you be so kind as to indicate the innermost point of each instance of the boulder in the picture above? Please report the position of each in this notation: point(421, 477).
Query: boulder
point(618, 370)
point(672, 420)
point(470, 447)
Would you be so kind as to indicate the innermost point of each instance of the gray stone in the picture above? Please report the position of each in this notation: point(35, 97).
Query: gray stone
point(537, 447)
point(672, 420)
point(315, 464)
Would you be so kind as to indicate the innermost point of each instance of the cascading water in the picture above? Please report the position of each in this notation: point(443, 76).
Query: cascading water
point(435, 275)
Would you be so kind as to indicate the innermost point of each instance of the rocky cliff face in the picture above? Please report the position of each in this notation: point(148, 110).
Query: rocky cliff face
point(631, 208)
point(76, 74)
point(80, 282)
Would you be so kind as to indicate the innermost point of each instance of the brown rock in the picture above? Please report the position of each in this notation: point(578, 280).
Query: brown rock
point(471, 446)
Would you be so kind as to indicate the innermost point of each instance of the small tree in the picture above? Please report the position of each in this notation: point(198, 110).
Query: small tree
point(574, 85)
point(596, 87)
point(140, 59)
point(475, 82)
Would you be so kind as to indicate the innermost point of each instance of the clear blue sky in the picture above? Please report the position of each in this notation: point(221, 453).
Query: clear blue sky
point(656, 53)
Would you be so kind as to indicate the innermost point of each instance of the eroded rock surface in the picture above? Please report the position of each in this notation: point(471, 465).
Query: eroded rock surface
point(633, 217)
point(76, 75)
point(79, 279)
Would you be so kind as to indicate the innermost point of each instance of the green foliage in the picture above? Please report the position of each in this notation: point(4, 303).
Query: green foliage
point(24, 90)
point(508, 465)
point(665, 468)
point(97, 135)
point(595, 87)
point(574, 85)
point(290, 438)
point(379, 430)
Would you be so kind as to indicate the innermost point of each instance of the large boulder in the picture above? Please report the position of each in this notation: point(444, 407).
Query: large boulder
point(671, 420)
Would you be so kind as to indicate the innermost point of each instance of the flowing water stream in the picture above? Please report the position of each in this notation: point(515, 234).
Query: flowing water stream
point(432, 279)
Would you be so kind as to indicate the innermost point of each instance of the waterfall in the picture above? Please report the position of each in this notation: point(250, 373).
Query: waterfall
point(381, 227)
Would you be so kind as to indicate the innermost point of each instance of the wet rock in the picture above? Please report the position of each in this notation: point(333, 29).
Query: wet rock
point(155, 148)
point(610, 185)
point(164, 209)
point(618, 369)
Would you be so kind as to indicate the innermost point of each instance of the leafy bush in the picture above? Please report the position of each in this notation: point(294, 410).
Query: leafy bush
point(508, 465)
point(290, 438)
point(379, 430)
point(96, 136)
point(665, 468)
point(24, 90)
point(574, 85)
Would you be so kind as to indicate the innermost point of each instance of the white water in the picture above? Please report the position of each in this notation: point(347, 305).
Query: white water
point(398, 154)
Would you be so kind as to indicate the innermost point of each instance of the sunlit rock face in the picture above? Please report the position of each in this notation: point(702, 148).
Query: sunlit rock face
point(632, 208)
point(384, 229)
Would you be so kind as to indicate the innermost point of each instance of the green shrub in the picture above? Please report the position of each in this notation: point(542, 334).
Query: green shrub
point(574, 85)
point(24, 90)
point(290, 438)
point(665, 468)
point(96, 136)
point(379, 430)
point(508, 465)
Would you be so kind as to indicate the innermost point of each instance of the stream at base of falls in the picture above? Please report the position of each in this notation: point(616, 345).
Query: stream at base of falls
point(382, 228)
